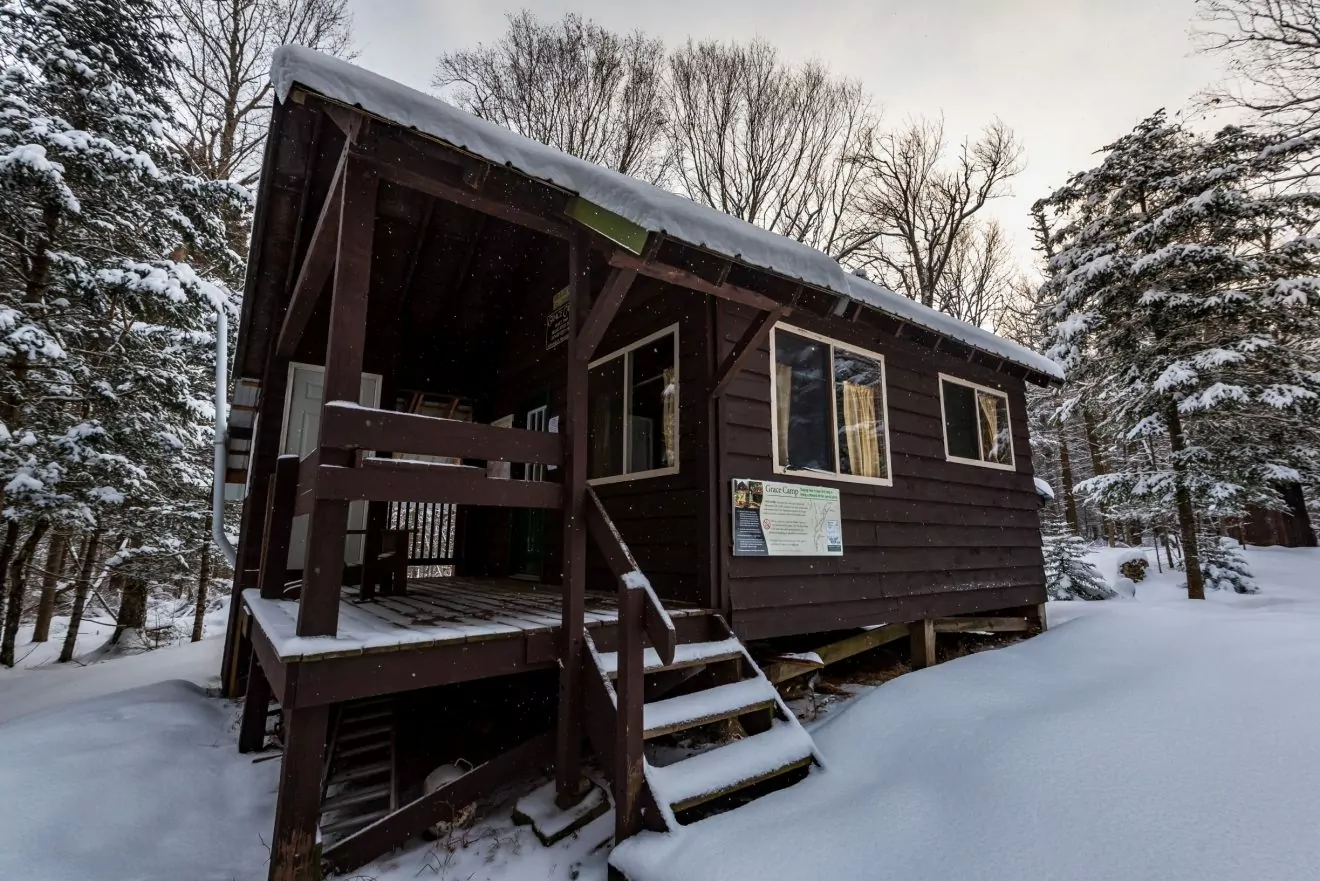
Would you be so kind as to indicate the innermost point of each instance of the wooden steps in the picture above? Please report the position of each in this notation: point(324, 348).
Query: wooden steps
point(733, 766)
point(722, 691)
point(706, 707)
point(687, 655)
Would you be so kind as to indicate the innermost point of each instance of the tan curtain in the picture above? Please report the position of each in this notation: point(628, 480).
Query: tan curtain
point(670, 427)
point(861, 430)
point(783, 398)
point(991, 443)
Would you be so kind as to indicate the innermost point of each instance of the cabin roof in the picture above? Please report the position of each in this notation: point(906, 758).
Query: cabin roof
point(648, 207)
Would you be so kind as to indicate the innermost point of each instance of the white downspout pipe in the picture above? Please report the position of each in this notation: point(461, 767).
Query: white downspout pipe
point(221, 454)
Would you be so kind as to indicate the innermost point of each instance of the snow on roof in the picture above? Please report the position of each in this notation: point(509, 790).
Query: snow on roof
point(649, 207)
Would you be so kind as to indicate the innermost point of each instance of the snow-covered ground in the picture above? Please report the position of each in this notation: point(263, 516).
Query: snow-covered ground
point(1155, 738)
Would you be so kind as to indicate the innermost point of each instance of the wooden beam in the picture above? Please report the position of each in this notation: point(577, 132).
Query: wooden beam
point(987, 625)
point(252, 732)
point(432, 169)
point(350, 427)
point(692, 281)
point(440, 806)
point(323, 566)
point(629, 734)
point(788, 668)
point(282, 504)
point(294, 855)
point(396, 480)
point(317, 265)
point(568, 749)
point(923, 643)
point(757, 332)
point(603, 311)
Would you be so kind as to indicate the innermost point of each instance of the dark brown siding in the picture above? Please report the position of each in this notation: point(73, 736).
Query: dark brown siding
point(945, 538)
point(661, 518)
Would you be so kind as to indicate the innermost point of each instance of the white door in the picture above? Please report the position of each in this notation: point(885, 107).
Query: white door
point(302, 428)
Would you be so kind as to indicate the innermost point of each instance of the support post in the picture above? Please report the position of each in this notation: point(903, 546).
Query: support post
point(922, 638)
point(252, 733)
point(283, 497)
point(568, 748)
point(629, 685)
point(323, 570)
point(294, 854)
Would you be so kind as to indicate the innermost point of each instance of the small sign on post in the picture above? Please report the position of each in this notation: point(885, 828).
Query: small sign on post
point(773, 519)
point(557, 321)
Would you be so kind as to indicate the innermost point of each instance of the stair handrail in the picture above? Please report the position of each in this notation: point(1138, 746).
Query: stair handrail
point(658, 624)
point(640, 612)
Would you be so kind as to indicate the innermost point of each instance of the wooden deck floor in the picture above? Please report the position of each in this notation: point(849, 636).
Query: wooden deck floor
point(435, 611)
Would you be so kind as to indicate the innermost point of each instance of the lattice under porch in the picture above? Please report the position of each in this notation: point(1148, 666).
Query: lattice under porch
point(434, 612)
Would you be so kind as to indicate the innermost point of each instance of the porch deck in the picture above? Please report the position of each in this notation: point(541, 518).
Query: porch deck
point(434, 612)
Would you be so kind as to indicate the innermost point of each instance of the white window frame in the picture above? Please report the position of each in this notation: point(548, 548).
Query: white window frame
point(779, 468)
point(980, 441)
point(627, 407)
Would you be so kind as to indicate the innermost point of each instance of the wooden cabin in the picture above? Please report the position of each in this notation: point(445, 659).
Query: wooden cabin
point(531, 453)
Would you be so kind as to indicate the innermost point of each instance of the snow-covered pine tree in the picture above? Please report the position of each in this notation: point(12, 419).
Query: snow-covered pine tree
point(1068, 574)
point(106, 322)
point(1223, 565)
point(1187, 299)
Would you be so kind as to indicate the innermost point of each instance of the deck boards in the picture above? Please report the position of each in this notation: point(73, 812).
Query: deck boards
point(434, 612)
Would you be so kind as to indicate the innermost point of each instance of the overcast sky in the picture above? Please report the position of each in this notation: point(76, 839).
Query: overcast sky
point(1067, 75)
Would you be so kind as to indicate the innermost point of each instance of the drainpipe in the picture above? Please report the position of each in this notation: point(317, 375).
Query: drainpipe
point(221, 456)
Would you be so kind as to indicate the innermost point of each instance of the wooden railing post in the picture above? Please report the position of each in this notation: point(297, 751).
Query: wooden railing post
point(629, 687)
point(282, 498)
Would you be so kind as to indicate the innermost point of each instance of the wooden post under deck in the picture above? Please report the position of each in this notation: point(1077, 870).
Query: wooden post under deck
point(323, 569)
point(252, 733)
point(923, 643)
point(294, 855)
point(568, 747)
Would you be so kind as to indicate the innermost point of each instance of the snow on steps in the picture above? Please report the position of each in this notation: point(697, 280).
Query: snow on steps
point(707, 775)
point(712, 705)
point(686, 655)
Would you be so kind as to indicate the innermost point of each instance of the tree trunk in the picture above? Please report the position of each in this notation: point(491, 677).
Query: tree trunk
point(80, 590)
point(1098, 466)
point(203, 582)
point(132, 613)
point(17, 582)
point(55, 554)
point(1069, 500)
point(6, 554)
point(1186, 513)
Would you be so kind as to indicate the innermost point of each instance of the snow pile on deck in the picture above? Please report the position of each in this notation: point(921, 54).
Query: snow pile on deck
point(647, 206)
point(1159, 739)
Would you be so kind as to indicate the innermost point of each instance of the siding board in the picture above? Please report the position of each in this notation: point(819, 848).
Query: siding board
point(945, 537)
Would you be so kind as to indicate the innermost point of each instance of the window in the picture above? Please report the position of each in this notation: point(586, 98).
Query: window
point(632, 410)
point(829, 408)
point(976, 424)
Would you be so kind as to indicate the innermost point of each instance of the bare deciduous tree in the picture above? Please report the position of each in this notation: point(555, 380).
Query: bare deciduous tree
point(1273, 52)
point(979, 285)
point(924, 207)
point(770, 143)
point(222, 90)
point(570, 84)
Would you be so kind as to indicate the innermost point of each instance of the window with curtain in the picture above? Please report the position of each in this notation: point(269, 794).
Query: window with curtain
point(829, 408)
point(632, 410)
point(976, 424)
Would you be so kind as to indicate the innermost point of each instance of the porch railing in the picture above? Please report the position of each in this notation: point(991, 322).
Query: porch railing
point(641, 616)
point(422, 495)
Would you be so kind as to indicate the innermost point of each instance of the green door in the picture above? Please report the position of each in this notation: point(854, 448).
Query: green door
point(527, 538)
